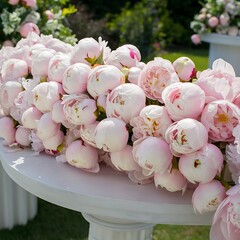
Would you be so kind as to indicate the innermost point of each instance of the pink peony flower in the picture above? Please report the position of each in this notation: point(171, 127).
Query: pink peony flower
point(224, 19)
point(103, 79)
point(219, 82)
point(36, 142)
point(208, 196)
point(183, 100)
point(49, 14)
point(123, 160)
point(133, 74)
point(30, 117)
point(233, 31)
point(40, 62)
point(80, 109)
point(83, 156)
point(196, 39)
point(57, 66)
point(46, 94)
point(152, 154)
point(22, 136)
point(52, 143)
point(226, 220)
point(153, 120)
point(202, 165)
point(185, 68)
point(220, 117)
point(186, 136)
point(213, 22)
point(44, 132)
point(125, 56)
point(87, 133)
point(172, 180)
point(30, 3)
point(7, 43)
point(13, 2)
point(87, 51)
point(28, 27)
point(139, 178)
point(7, 130)
point(156, 76)
point(75, 78)
point(13, 69)
point(121, 102)
point(111, 135)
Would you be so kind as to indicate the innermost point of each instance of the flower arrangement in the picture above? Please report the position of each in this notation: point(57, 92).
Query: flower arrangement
point(159, 122)
point(19, 17)
point(217, 16)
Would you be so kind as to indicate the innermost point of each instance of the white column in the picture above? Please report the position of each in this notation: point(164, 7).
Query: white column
point(17, 206)
point(116, 229)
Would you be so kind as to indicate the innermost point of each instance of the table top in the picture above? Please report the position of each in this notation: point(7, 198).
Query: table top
point(222, 39)
point(108, 193)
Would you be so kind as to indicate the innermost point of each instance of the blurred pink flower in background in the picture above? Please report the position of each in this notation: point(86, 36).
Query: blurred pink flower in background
point(213, 21)
point(30, 3)
point(26, 28)
point(196, 39)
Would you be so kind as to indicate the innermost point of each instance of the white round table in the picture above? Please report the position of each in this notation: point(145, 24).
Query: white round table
point(225, 47)
point(116, 208)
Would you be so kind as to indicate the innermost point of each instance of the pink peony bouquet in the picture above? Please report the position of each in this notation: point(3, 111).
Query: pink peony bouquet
point(159, 122)
point(216, 16)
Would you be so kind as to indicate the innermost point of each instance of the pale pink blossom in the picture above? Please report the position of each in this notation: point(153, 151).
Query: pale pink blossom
point(40, 62)
point(133, 74)
point(46, 127)
point(156, 76)
point(36, 142)
point(30, 117)
point(224, 19)
point(220, 117)
point(53, 142)
point(186, 136)
point(56, 44)
point(226, 220)
point(28, 27)
point(83, 156)
point(111, 135)
point(153, 120)
point(80, 109)
point(125, 56)
point(7, 43)
point(87, 51)
point(152, 154)
point(220, 82)
point(102, 103)
point(30, 3)
point(123, 160)
point(185, 68)
point(139, 178)
point(172, 180)
point(13, 2)
point(121, 102)
point(196, 39)
point(75, 78)
point(87, 133)
point(49, 14)
point(213, 21)
point(233, 161)
point(207, 197)
point(13, 69)
point(7, 130)
point(202, 165)
point(57, 66)
point(9, 92)
point(22, 136)
point(103, 79)
point(46, 94)
point(183, 100)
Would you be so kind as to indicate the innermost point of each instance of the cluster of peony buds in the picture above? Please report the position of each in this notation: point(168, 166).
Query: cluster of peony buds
point(158, 122)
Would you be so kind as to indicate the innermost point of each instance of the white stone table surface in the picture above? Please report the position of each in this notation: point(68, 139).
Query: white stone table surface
point(116, 208)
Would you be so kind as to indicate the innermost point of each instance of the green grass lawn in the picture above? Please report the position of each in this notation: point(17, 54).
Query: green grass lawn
point(56, 223)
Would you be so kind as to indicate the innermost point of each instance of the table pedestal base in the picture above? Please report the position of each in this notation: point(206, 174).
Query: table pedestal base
point(17, 206)
point(115, 229)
